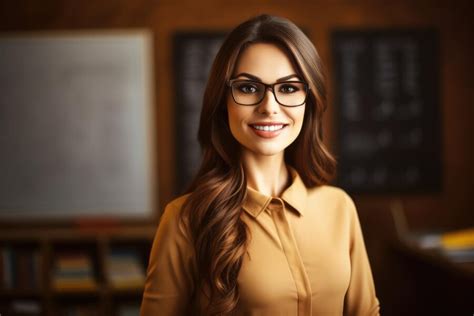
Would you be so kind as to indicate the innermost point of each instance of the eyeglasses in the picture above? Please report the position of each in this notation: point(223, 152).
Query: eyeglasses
point(287, 93)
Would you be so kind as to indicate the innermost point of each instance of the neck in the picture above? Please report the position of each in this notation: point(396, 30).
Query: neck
point(266, 174)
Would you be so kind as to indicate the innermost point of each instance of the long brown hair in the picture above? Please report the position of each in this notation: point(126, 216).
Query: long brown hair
point(213, 208)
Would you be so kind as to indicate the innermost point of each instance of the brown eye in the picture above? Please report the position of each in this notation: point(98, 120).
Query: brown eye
point(288, 88)
point(247, 88)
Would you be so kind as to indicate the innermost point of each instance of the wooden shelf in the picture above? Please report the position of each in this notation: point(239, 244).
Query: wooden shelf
point(126, 291)
point(77, 291)
point(21, 292)
point(97, 243)
point(92, 233)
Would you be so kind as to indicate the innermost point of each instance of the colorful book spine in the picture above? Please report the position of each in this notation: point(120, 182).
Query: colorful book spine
point(20, 268)
point(73, 272)
point(125, 270)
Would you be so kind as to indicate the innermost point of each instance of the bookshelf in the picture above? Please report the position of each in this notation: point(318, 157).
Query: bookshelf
point(73, 271)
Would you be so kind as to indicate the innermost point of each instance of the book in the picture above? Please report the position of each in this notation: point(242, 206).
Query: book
point(457, 245)
point(20, 268)
point(129, 310)
point(25, 307)
point(124, 269)
point(458, 239)
point(73, 271)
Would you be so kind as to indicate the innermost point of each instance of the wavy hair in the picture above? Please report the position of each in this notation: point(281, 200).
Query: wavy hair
point(213, 209)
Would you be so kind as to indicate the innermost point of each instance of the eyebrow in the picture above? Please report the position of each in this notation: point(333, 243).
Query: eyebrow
point(252, 77)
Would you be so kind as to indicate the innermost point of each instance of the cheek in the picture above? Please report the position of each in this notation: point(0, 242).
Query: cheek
point(231, 117)
point(238, 114)
point(235, 118)
point(298, 118)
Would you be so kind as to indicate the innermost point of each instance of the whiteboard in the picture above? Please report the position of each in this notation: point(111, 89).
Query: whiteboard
point(76, 125)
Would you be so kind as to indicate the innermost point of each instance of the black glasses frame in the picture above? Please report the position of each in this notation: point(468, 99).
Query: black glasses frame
point(272, 89)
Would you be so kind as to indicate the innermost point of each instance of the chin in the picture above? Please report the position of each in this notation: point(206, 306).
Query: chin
point(267, 151)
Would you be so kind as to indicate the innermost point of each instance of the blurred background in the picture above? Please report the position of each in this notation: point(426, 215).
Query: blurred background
point(93, 263)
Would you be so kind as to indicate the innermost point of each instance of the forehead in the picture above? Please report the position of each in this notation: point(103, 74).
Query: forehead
point(266, 61)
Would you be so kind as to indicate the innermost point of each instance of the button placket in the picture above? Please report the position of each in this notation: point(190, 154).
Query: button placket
point(295, 263)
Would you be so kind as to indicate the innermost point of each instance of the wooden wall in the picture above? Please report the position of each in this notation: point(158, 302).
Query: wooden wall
point(454, 19)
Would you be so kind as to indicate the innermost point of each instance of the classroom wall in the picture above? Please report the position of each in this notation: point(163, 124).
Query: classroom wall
point(452, 207)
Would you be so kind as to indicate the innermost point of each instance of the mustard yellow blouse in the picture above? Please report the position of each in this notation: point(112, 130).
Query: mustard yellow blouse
point(306, 256)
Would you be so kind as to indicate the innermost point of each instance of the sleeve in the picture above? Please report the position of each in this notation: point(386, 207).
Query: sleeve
point(360, 298)
point(169, 283)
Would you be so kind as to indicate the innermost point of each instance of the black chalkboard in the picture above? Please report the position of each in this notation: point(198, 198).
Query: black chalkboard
point(193, 57)
point(388, 112)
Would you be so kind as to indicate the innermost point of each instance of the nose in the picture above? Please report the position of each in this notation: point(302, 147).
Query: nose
point(269, 105)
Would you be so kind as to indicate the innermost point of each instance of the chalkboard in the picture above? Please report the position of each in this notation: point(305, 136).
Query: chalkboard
point(388, 113)
point(193, 54)
point(76, 125)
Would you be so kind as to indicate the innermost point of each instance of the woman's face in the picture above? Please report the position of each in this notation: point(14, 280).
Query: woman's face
point(266, 128)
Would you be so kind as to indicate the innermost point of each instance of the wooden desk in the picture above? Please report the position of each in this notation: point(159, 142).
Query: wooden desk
point(436, 285)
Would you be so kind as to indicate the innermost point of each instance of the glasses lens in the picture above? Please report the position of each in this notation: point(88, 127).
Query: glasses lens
point(247, 92)
point(290, 93)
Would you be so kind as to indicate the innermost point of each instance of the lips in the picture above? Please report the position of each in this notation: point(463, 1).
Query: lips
point(267, 129)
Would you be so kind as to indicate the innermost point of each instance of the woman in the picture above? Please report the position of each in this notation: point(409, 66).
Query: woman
point(259, 232)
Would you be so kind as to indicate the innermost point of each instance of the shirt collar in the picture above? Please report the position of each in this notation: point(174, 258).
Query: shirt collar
point(295, 196)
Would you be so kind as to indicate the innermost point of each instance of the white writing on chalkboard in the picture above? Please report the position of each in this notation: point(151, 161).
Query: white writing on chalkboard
point(388, 111)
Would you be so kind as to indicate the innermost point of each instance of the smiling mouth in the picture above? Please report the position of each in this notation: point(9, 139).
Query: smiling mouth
point(268, 128)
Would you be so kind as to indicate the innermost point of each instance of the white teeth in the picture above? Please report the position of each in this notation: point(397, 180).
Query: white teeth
point(268, 128)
